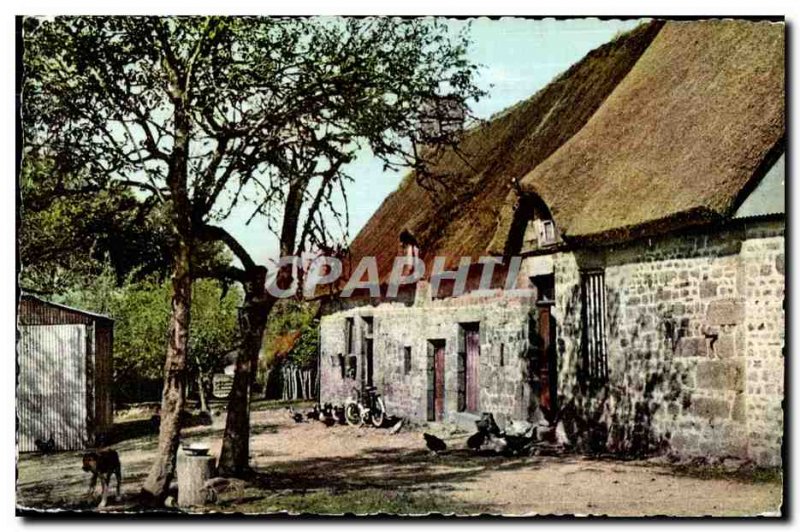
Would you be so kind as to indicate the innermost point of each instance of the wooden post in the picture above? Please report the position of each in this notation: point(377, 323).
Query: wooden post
point(193, 472)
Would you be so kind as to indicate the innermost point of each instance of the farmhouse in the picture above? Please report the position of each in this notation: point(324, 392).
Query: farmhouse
point(644, 190)
point(64, 375)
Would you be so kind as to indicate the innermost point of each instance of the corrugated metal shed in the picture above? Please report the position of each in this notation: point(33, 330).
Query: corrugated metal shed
point(64, 374)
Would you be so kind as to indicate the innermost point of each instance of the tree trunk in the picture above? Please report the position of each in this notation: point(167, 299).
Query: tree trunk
point(267, 375)
point(234, 458)
point(202, 392)
point(305, 380)
point(173, 395)
point(235, 455)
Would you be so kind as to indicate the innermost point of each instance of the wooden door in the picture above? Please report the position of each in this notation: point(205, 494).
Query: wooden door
point(546, 361)
point(438, 381)
point(473, 345)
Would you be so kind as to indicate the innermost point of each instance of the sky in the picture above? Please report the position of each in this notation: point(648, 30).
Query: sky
point(518, 57)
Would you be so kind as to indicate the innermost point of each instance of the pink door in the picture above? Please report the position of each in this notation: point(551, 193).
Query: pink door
point(472, 370)
point(438, 382)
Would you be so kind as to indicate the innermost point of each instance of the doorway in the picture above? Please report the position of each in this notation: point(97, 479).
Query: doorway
point(468, 384)
point(544, 339)
point(436, 360)
point(368, 351)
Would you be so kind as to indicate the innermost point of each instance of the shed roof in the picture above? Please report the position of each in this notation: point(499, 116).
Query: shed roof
point(33, 310)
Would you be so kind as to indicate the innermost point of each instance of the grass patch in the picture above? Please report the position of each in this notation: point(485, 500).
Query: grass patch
point(275, 404)
point(750, 475)
point(360, 502)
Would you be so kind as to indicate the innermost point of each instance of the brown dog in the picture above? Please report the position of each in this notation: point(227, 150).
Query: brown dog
point(103, 464)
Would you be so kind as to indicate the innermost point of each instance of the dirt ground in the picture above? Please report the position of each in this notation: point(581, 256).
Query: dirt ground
point(308, 467)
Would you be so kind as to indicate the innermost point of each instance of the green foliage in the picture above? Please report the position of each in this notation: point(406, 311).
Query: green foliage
point(141, 312)
point(69, 228)
point(305, 350)
point(292, 316)
point(364, 501)
point(274, 108)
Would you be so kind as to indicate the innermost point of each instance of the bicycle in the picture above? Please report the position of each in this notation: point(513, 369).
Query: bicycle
point(360, 410)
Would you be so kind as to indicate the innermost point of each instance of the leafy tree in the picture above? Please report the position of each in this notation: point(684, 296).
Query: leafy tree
point(141, 312)
point(203, 114)
point(70, 228)
point(290, 316)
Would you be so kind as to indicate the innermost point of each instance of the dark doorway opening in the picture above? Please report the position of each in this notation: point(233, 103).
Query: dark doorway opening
point(368, 351)
point(544, 339)
point(436, 360)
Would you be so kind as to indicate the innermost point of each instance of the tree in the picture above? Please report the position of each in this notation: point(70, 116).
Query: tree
point(292, 334)
point(141, 309)
point(202, 114)
point(71, 230)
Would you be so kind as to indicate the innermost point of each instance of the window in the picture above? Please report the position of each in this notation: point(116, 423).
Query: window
point(407, 359)
point(545, 288)
point(352, 366)
point(349, 337)
point(547, 232)
point(502, 355)
point(342, 367)
point(593, 314)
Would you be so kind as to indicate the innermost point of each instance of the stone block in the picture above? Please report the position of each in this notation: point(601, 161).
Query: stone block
point(724, 312)
point(710, 407)
point(739, 411)
point(708, 289)
point(725, 346)
point(720, 375)
point(692, 347)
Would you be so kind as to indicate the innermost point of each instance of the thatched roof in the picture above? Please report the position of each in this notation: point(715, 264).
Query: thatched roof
point(697, 119)
point(667, 126)
point(460, 216)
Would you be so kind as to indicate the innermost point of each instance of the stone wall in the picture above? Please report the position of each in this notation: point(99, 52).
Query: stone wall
point(695, 334)
point(763, 338)
point(503, 322)
point(695, 338)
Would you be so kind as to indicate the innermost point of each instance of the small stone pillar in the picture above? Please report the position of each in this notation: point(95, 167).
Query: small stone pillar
point(193, 472)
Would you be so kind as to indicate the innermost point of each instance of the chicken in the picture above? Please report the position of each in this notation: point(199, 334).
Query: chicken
point(328, 421)
point(314, 413)
point(517, 445)
point(434, 444)
point(338, 414)
point(497, 444)
point(46, 447)
point(475, 441)
point(296, 416)
point(487, 425)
